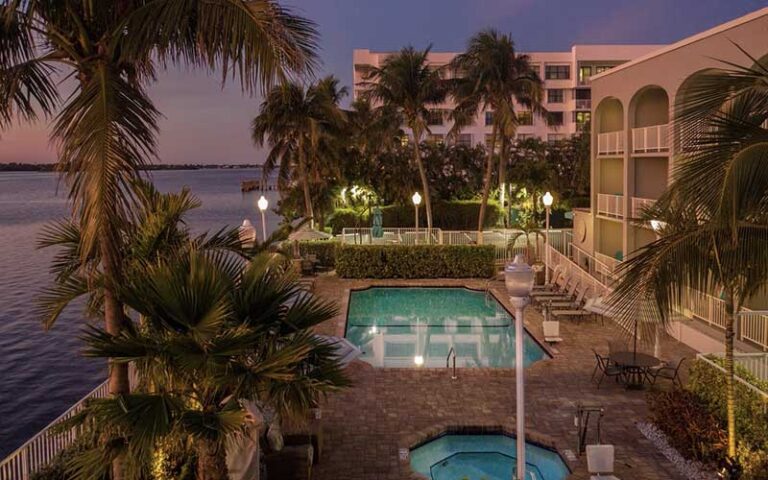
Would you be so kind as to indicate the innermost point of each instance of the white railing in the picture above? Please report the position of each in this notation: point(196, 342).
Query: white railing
point(583, 104)
point(572, 269)
point(650, 139)
point(703, 358)
point(610, 205)
point(639, 204)
point(754, 328)
point(611, 143)
point(601, 270)
point(40, 450)
point(393, 236)
point(756, 363)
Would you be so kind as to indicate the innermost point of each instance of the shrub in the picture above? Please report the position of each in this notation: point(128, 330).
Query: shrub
point(415, 261)
point(325, 250)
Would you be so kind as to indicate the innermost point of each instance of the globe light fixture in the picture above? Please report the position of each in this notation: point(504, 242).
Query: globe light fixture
point(547, 200)
point(416, 202)
point(263, 204)
point(518, 278)
point(418, 360)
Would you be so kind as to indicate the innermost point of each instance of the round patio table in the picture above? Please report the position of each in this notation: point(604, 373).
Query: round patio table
point(635, 365)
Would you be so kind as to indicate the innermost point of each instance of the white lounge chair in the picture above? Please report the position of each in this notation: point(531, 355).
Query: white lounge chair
point(551, 331)
point(566, 304)
point(574, 312)
point(557, 272)
point(600, 461)
point(568, 291)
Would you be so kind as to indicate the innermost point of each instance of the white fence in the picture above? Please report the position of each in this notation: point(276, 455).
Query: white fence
point(611, 143)
point(738, 359)
point(404, 236)
point(584, 277)
point(650, 139)
point(610, 205)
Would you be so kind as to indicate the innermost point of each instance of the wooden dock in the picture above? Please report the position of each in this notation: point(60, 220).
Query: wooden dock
point(257, 185)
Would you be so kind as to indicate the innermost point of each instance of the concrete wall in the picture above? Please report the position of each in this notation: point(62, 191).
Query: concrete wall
point(611, 175)
point(650, 176)
point(609, 238)
point(651, 107)
point(583, 236)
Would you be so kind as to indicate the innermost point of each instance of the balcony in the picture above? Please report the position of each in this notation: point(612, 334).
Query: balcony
point(651, 139)
point(610, 205)
point(611, 143)
point(639, 204)
point(583, 104)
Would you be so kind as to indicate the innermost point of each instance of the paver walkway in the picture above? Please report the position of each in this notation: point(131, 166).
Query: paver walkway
point(389, 409)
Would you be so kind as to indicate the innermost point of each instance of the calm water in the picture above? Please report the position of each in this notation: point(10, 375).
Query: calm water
point(41, 373)
point(416, 327)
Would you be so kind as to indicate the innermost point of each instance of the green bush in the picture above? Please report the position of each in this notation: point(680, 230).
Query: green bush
point(346, 218)
point(415, 261)
point(325, 250)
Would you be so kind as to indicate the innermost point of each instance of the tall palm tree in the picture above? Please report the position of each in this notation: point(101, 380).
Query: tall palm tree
point(302, 127)
point(715, 213)
point(216, 332)
point(106, 129)
point(406, 84)
point(494, 76)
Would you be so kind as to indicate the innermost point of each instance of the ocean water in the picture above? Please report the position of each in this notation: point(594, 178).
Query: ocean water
point(42, 373)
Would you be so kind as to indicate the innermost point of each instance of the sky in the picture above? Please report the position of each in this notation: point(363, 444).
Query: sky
point(205, 123)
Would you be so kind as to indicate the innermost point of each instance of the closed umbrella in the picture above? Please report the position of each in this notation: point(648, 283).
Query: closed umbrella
point(377, 231)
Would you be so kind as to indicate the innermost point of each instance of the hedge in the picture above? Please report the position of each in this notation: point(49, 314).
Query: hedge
point(325, 250)
point(415, 261)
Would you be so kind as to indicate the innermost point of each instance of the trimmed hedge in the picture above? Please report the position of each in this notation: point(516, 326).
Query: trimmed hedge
point(324, 249)
point(415, 261)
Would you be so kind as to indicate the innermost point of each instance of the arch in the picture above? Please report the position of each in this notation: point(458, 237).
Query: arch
point(649, 106)
point(609, 115)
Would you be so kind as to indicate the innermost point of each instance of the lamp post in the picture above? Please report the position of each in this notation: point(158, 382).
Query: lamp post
point(416, 202)
point(518, 278)
point(263, 204)
point(547, 200)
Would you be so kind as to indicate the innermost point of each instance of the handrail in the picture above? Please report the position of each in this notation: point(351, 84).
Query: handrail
point(452, 351)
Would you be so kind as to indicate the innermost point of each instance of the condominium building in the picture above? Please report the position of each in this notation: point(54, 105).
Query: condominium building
point(566, 77)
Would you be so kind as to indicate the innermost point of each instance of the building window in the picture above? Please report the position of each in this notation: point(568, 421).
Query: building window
point(581, 119)
point(464, 139)
point(601, 68)
point(435, 117)
point(488, 118)
point(525, 118)
point(555, 119)
point(557, 72)
point(555, 95)
point(555, 137)
point(585, 73)
point(436, 138)
point(524, 136)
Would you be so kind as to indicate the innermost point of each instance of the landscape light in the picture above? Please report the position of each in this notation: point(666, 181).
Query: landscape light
point(547, 199)
point(418, 360)
point(263, 203)
point(416, 198)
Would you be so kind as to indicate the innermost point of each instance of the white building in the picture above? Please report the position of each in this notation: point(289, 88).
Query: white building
point(566, 78)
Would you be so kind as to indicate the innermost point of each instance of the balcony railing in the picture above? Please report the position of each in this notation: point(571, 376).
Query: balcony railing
point(610, 205)
point(640, 204)
point(583, 104)
point(611, 143)
point(650, 139)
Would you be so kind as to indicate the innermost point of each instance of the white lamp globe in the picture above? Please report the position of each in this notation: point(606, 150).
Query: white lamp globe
point(547, 199)
point(416, 198)
point(519, 277)
point(262, 203)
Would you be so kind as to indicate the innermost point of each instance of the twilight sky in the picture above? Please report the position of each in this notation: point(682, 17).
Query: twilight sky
point(205, 124)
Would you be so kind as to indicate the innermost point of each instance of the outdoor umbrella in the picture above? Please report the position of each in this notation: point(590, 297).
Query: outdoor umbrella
point(377, 231)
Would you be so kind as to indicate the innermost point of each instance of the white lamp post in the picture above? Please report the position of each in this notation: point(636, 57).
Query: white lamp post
point(547, 200)
point(263, 204)
point(416, 202)
point(518, 278)
point(247, 233)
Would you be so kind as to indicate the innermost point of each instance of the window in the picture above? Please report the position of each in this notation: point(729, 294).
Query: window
point(583, 94)
point(602, 68)
point(488, 118)
point(464, 139)
point(557, 72)
point(581, 119)
point(585, 73)
point(436, 138)
point(555, 95)
point(525, 117)
point(524, 136)
point(555, 118)
point(435, 117)
point(555, 137)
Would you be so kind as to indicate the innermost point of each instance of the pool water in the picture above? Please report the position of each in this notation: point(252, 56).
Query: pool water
point(415, 327)
point(484, 457)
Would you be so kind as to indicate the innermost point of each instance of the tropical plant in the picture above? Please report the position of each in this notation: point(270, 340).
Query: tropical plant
point(408, 86)
point(303, 128)
point(495, 77)
point(215, 332)
point(714, 216)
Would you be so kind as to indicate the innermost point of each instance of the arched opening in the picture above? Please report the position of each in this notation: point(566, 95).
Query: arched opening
point(649, 119)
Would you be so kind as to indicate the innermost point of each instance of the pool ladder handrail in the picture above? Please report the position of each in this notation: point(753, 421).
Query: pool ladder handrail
point(452, 351)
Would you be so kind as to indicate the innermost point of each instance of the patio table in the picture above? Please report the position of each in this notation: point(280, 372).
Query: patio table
point(635, 366)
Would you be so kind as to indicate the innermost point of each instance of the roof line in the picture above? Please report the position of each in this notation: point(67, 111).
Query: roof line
point(686, 41)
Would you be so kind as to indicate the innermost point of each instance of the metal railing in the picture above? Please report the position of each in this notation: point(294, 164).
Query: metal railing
point(743, 381)
point(584, 277)
point(40, 450)
point(610, 205)
point(611, 143)
point(639, 204)
point(583, 104)
point(650, 139)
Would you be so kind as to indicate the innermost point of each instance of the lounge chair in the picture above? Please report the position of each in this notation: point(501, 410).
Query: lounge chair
point(670, 371)
point(604, 366)
point(572, 312)
point(306, 283)
point(346, 351)
point(551, 331)
point(566, 304)
point(599, 308)
point(569, 293)
point(600, 461)
point(556, 274)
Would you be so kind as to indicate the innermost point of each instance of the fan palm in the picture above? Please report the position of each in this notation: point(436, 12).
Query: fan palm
point(715, 213)
point(106, 129)
point(494, 76)
point(407, 85)
point(215, 332)
point(302, 127)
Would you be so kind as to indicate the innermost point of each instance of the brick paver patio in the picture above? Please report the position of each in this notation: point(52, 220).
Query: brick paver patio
point(390, 409)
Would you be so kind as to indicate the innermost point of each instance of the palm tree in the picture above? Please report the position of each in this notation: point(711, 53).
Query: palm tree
point(106, 129)
point(715, 231)
point(493, 76)
point(406, 84)
point(302, 127)
point(215, 332)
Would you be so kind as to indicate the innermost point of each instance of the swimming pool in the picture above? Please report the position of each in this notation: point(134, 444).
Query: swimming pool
point(484, 457)
point(412, 327)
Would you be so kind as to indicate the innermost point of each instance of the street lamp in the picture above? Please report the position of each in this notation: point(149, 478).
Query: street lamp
point(518, 278)
point(547, 200)
point(416, 202)
point(263, 204)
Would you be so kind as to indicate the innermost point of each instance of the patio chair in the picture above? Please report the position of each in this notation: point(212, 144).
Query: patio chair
point(558, 285)
point(551, 331)
point(604, 366)
point(556, 273)
point(565, 304)
point(577, 312)
point(600, 462)
point(569, 293)
point(599, 308)
point(670, 371)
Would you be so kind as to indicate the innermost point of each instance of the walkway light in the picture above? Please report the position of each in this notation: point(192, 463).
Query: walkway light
point(416, 202)
point(547, 200)
point(418, 360)
point(263, 204)
point(416, 199)
point(518, 278)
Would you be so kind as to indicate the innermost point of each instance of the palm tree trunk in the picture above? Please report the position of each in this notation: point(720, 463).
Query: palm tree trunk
point(211, 461)
point(730, 391)
point(308, 213)
point(503, 177)
point(424, 181)
point(486, 186)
